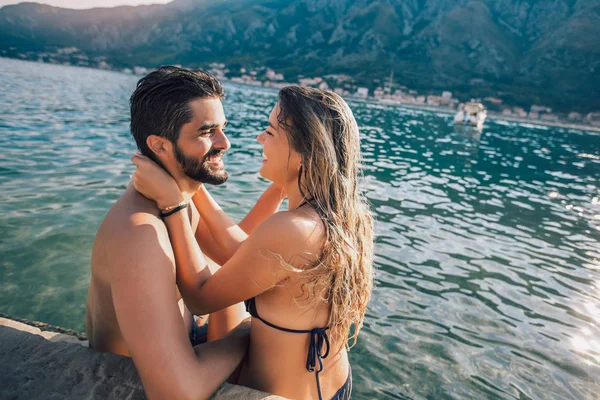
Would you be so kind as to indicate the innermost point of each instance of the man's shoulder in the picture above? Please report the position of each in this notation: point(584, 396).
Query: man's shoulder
point(137, 231)
point(127, 223)
point(131, 212)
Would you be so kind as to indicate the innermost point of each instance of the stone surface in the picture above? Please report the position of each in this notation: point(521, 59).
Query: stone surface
point(36, 364)
point(236, 392)
point(46, 362)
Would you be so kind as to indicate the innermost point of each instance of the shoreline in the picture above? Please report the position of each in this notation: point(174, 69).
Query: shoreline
point(555, 124)
point(44, 327)
point(493, 116)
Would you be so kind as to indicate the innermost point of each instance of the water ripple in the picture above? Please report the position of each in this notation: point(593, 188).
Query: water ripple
point(487, 244)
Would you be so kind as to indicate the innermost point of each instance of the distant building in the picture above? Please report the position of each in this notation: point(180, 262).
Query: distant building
point(309, 81)
point(67, 50)
point(276, 85)
point(273, 76)
point(520, 112)
point(433, 101)
point(493, 100)
point(437, 101)
point(248, 80)
point(540, 109)
point(408, 98)
point(507, 111)
point(140, 70)
point(341, 92)
point(339, 78)
point(218, 73)
point(378, 93)
point(446, 94)
point(575, 116)
point(593, 118)
point(323, 86)
point(549, 117)
point(533, 115)
point(362, 92)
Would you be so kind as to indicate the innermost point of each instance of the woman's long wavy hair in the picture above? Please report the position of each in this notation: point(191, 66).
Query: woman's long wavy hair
point(322, 129)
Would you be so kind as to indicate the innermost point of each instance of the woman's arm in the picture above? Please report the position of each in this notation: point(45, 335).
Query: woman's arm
point(268, 204)
point(227, 234)
point(192, 268)
point(265, 259)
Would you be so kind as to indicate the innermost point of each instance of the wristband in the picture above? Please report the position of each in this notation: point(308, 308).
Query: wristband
point(167, 209)
point(172, 210)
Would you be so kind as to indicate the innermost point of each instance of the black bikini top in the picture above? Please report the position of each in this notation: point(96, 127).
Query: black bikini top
point(318, 338)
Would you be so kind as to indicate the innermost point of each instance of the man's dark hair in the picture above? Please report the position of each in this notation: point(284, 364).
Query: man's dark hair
point(160, 103)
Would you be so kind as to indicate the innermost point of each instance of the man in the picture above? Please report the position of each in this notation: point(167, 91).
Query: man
point(134, 307)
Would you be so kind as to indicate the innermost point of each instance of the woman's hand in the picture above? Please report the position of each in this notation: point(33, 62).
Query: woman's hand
point(155, 183)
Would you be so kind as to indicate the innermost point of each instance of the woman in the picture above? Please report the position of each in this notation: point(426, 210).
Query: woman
point(305, 273)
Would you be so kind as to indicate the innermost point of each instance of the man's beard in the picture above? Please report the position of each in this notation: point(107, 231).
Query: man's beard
point(199, 170)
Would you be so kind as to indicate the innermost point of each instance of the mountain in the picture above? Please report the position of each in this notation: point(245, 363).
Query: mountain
point(522, 51)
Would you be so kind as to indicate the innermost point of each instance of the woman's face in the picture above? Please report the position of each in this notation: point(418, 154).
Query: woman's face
point(280, 163)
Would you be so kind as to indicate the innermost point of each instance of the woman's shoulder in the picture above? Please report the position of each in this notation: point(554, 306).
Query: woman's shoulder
point(298, 222)
point(291, 228)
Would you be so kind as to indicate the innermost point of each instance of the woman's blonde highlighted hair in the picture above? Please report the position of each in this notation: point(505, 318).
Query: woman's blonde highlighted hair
point(322, 129)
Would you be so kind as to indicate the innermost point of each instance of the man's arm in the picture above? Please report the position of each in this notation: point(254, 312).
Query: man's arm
point(145, 301)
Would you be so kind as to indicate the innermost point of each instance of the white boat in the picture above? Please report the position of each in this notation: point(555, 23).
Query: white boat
point(472, 114)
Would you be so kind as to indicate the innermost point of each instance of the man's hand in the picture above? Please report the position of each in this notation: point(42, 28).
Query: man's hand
point(242, 331)
point(238, 338)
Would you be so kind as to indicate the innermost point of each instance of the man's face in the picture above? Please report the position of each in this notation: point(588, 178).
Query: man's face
point(202, 142)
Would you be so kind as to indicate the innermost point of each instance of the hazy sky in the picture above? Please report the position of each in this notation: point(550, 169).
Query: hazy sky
point(88, 3)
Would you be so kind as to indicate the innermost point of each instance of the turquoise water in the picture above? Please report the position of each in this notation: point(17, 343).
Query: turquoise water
point(488, 245)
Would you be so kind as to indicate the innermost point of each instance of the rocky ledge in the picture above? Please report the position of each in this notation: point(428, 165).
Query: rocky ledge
point(40, 361)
